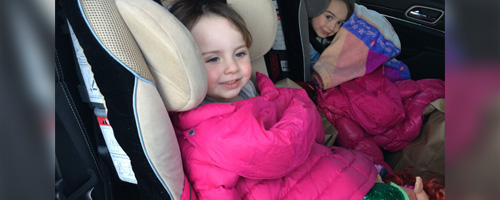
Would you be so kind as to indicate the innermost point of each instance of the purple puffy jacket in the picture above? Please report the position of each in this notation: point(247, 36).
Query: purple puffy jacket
point(267, 147)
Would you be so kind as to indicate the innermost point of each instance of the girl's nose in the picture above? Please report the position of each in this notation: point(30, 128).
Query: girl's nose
point(332, 26)
point(231, 66)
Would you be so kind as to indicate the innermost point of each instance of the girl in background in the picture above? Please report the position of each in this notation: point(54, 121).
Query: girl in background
point(327, 24)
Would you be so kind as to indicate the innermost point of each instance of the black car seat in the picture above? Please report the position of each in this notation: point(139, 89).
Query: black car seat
point(145, 64)
point(294, 17)
point(81, 160)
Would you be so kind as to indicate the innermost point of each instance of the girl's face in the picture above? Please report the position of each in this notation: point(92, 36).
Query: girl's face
point(226, 57)
point(330, 21)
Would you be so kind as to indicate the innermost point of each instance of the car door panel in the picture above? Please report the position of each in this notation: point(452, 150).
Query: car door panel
point(420, 27)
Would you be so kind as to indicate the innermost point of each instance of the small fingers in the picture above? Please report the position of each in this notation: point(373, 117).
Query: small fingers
point(419, 186)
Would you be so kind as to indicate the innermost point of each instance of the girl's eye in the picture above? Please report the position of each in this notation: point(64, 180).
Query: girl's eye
point(214, 59)
point(328, 17)
point(340, 23)
point(241, 54)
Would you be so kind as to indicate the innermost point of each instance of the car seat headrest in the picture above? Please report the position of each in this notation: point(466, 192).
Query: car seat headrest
point(170, 52)
point(316, 7)
point(261, 20)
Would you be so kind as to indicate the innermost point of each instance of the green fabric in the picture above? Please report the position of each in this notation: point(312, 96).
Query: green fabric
point(384, 191)
point(401, 190)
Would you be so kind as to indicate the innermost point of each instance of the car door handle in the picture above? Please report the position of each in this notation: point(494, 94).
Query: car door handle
point(424, 14)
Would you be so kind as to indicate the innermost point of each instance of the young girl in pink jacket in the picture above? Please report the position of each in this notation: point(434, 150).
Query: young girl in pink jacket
point(238, 145)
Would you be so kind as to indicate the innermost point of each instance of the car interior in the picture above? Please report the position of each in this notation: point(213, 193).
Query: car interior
point(123, 65)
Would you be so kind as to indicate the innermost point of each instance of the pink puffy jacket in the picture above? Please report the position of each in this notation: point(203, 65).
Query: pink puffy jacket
point(372, 112)
point(268, 147)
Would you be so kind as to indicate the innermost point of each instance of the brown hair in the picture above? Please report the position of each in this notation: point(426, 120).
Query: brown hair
point(189, 13)
point(350, 7)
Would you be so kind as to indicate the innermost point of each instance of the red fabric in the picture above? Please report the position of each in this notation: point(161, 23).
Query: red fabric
point(268, 147)
point(371, 112)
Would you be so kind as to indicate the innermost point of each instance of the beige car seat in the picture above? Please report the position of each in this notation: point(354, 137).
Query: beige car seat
point(146, 64)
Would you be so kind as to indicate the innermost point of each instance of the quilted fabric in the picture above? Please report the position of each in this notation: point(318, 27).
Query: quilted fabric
point(363, 43)
point(268, 147)
point(371, 112)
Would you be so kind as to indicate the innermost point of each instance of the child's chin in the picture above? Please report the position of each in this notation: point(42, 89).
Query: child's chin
point(230, 97)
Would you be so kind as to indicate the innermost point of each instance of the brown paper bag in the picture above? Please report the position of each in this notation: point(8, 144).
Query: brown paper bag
point(330, 131)
point(426, 154)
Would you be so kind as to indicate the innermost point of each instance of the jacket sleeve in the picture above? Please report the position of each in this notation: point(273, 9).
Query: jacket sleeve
point(264, 138)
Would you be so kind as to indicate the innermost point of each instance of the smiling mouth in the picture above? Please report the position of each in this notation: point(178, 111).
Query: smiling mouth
point(230, 82)
point(326, 33)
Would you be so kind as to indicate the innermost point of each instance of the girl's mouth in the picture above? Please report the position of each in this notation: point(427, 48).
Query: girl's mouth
point(325, 33)
point(231, 84)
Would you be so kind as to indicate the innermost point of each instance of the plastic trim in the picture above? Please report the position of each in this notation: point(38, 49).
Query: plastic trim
point(414, 23)
point(426, 7)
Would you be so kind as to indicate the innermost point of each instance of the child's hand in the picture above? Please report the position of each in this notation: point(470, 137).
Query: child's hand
point(419, 189)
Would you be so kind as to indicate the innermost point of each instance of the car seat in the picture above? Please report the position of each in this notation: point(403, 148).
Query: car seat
point(294, 16)
point(146, 63)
